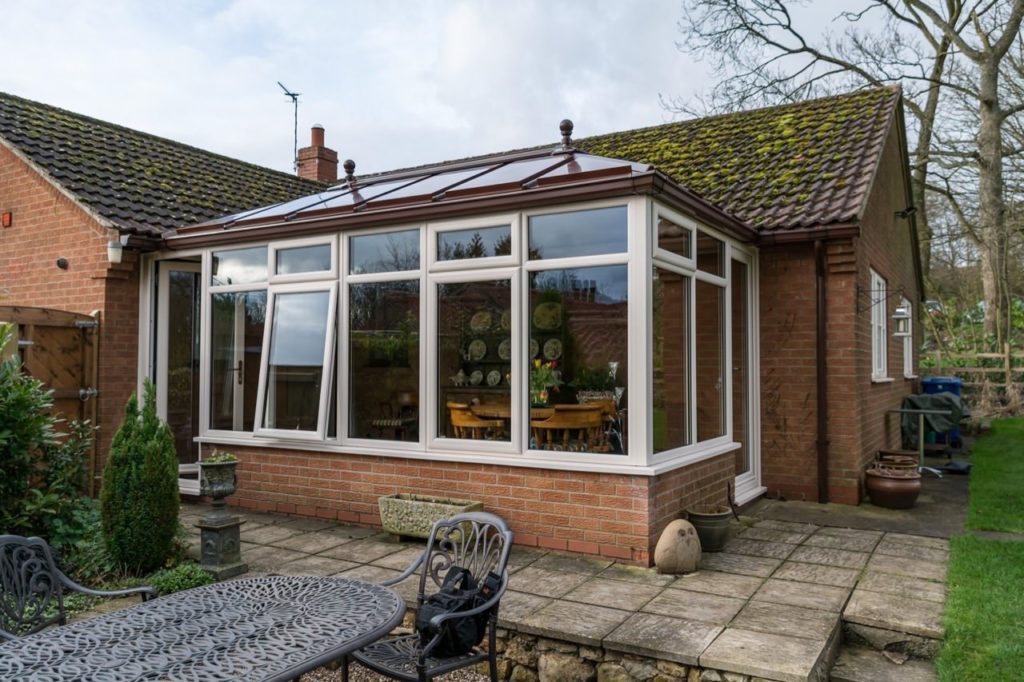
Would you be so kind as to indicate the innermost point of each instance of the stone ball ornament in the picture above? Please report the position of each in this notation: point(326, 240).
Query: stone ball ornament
point(678, 548)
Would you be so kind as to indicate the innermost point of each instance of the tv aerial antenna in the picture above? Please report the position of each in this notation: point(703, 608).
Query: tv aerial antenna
point(295, 134)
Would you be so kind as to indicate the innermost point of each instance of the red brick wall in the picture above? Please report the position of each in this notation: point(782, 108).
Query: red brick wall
point(48, 225)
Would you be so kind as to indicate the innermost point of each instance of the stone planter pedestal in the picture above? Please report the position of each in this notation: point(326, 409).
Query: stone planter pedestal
point(220, 542)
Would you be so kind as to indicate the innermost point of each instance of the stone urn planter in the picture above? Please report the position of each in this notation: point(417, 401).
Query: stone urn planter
point(892, 487)
point(414, 515)
point(218, 480)
point(712, 525)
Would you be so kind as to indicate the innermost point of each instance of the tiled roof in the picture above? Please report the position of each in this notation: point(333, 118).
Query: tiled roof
point(140, 182)
point(786, 167)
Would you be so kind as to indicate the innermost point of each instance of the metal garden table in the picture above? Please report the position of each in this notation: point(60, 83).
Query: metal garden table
point(269, 629)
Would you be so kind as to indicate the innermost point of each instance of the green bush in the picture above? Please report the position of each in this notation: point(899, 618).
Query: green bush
point(139, 498)
point(181, 577)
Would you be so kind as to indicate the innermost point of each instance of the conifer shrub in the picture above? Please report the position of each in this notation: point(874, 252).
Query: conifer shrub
point(139, 499)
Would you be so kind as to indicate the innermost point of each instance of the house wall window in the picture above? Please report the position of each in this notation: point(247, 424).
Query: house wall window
point(909, 368)
point(672, 382)
point(879, 338)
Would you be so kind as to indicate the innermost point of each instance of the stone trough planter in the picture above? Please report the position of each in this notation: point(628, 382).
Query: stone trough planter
point(413, 515)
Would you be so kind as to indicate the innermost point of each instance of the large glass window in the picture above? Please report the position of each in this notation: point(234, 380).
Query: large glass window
point(710, 254)
point(236, 341)
point(675, 239)
point(578, 233)
point(385, 252)
point(710, 370)
point(384, 360)
point(670, 308)
point(482, 242)
point(303, 259)
point(740, 364)
point(879, 335)
point(239, 266)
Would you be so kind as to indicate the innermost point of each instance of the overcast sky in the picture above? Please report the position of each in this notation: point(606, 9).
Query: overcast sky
point(394, 83)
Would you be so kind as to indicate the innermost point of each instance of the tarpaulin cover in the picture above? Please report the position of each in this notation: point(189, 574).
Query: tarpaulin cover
point(939, 423)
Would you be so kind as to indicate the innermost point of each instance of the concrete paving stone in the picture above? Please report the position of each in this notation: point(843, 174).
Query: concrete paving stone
point(792, 621)
point(860, 664)
point(844, 538)
point(614, 593)
point(574, 622)
point(409, 590)
point(268, 558)
point(806, 595)
point(371, 574)
point(881, 639)
point(790, 526)
point(893, 548)
point(724, 584)
point(739, 563)
point(699, 606)
point(830, 557)
point(352, 532)
point(636, 574)
point(929, 570)
point(771, 535)
point(763, 654)
point(545, 583)
point(311, 543)
point(661, 637)
point(918, 540)
point(892, 612)
point(818, 574)
point(263, 517)
point(859, 533)
point(401, 559)
point(519, 557)
point(306, 525)
point(515, 606)
point(314, 565)
point(751, 547)
point(572, 563)
point(362, 551)
point(268, 535)
point(902, 585)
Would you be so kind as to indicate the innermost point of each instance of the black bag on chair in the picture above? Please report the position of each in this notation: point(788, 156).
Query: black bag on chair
point(459, 592)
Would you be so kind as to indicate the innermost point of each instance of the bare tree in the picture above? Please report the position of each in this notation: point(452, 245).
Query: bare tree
point(950, 56)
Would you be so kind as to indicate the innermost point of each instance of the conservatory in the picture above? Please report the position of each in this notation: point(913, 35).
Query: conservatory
point(547, 310)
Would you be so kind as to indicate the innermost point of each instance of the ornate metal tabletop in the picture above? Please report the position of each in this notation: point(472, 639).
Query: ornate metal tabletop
point(268, 629)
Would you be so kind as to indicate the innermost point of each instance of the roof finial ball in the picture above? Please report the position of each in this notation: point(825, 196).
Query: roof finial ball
point(350, 171)
point(566, 128)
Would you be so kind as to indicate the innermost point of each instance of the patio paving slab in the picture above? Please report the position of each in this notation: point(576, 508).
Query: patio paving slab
point(892, 612)
point(770, 535)
point(818, 574)
point(806, 595)
point(830, 557)
point(311, 543)
point(352, 532)
point(363, 551)
point(853, 540)
point(636, 574)
point(306, 525)
point(918, 540)
point(761, 567)
point(751, 547)
point(929, 570)
point(515, 606)
point(267, 558)
point(791, 621)
point(401, 559)
point(671, 639)
point(314, 565)
point(520, 557)
point(544, 582)
point(268, 535)
point(617, 593)
point(860, 664)
point(894, 548)
point(791, 526)
point(574, 622)
point(698, 606)
point(715, 582)
point(763, 654)
point(371, 574)
point(570, 563)
point(902, 585)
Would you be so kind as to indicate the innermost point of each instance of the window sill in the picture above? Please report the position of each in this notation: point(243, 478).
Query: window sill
point(909, 377)
point(882, 380)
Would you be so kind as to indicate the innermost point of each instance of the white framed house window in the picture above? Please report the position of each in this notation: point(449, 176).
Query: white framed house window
point(908, 341)
point(879, 330)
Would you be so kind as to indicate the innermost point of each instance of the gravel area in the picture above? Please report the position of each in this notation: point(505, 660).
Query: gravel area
point(357, 673)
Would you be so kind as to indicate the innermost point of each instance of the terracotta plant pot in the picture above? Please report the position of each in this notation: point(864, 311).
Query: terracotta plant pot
point(893, 488)
point(712, 526)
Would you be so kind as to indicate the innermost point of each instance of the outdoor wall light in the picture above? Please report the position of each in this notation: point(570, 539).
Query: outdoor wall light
point(901, 316)
point(115, 249)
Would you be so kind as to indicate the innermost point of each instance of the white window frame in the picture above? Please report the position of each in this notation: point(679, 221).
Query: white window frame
point(274, 247)
point(908, 342)
point(514, 222)
point(879, 328)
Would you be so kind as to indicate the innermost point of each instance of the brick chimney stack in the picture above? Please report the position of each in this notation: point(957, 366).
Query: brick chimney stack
point(317, 162)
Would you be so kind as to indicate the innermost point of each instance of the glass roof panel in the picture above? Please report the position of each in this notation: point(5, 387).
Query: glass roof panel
point(515, 172)
point(583, 163)
point(367, 192)
point(293, 206)
point(434, 184)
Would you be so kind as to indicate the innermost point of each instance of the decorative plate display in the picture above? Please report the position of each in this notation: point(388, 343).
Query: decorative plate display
point(506, 320)
point(493, 377)
point(552, 349)
point(481, 321)
point(534, 348)
point(477, 349)
point(505, 349)
point(547, 316)
point(476, 377)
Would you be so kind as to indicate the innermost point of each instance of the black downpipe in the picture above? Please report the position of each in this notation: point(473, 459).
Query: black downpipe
point(822, 377)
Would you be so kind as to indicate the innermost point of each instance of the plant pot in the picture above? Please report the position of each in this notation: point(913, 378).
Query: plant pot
point(892, 488)
point(414, 515)
point(712, 526)
point(217, 480)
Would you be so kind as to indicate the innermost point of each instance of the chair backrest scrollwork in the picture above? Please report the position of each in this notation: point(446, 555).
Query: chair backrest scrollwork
point(477, 541)
point(31, 594)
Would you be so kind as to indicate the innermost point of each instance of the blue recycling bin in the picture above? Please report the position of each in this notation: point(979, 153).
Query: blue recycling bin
point(952, 385)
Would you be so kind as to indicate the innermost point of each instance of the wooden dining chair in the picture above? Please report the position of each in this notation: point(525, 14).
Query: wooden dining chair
point(572, 427)
point(465, 424)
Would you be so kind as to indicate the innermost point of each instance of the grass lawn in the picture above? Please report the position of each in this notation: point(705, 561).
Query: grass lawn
point(997, 479)
point(985, 609)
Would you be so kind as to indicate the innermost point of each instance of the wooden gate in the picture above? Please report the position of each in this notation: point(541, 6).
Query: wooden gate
point(60, 349)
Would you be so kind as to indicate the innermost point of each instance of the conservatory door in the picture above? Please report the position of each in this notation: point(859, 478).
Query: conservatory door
point(744, 427)
point(177, 363)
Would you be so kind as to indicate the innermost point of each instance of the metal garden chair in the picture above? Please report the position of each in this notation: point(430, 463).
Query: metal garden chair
point(32, 587)
point(477, 541)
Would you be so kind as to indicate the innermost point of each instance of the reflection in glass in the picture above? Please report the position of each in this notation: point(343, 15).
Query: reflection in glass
point(182, 343)
point(675, 238)
point(384, 360)
point(670, 308)
point(710, 254)
point(478, 242)
point(580, 233)
point(710, 369)
point(740, 414)
point(304, 259)
point(236, 342)
point(579, 357)
point(239, 266)
point(295, 366)
point(387, 252)
point(474, 365)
